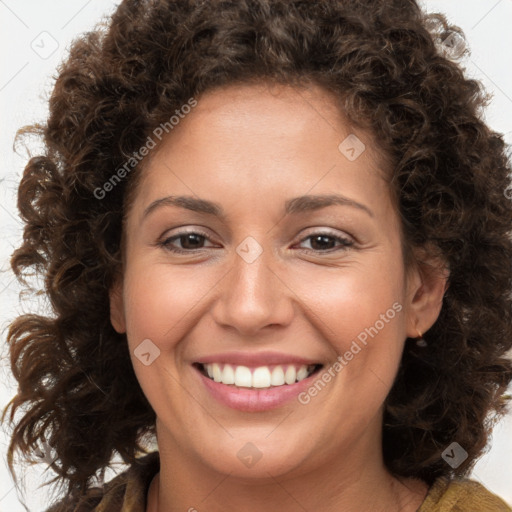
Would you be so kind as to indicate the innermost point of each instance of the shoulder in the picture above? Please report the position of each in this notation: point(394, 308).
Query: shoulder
point(124, 493)
point(461, 495)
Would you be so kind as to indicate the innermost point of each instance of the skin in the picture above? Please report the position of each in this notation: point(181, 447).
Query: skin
point(250, 148)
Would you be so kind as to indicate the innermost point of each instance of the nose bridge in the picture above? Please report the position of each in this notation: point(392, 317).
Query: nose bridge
point(252, 296)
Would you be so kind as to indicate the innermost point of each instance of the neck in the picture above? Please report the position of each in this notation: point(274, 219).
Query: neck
point(343, 482)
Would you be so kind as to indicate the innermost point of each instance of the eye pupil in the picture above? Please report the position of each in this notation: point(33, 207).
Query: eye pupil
point(326, 242)
point(187, 240)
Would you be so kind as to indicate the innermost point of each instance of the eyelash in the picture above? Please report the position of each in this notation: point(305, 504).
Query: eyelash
point(166, 244)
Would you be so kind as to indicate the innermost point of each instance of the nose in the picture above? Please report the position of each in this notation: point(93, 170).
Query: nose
point(253, 296)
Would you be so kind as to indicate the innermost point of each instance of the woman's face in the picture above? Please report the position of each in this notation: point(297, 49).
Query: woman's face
point(294, 261)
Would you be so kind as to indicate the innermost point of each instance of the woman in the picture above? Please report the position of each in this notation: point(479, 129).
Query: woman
point(276, 236)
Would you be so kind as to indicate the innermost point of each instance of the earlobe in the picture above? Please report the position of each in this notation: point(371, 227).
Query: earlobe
point(426, 295)
point(117, 318)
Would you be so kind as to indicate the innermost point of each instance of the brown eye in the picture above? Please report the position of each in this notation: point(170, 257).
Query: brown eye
point(191, 241)
point(187, 242)
point(325, 242)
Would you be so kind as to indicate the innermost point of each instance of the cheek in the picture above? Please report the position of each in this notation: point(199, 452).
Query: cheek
point(352, 299)
point(372, 348)
point(160, 303)
point(159, 299)
point(360, 311)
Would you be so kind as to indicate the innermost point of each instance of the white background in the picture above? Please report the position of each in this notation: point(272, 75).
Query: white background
point(25, 83)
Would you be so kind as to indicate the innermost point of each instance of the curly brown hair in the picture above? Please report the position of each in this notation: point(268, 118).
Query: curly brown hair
point(383, 60)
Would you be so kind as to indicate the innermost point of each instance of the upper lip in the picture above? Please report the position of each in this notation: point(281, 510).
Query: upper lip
point(255, 359)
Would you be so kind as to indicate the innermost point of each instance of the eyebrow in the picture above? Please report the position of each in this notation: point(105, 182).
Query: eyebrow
point(187, 202)
point(310, 203)
point(292, 206)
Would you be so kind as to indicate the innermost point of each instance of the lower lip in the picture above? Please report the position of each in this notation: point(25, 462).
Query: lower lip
point(255, 400)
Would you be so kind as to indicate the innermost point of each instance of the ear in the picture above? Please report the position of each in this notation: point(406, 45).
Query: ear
point(117, 318)
point(427, 282)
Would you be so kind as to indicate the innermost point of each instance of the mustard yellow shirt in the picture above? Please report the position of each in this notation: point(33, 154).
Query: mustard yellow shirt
point(127, 493)
point(461, 496)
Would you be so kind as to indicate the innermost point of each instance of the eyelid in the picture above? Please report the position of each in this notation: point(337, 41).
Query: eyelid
point(329, 232)
point(193, 231)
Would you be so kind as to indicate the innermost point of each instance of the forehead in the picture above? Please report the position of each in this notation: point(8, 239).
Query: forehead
point(240, 137)
point(263, 108)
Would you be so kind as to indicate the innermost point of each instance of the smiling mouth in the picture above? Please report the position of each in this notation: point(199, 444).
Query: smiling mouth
point(261, 377)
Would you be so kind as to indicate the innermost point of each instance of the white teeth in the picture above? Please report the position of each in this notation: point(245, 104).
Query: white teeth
point(290, 375)
point(217, 374)
point(261, 377)
point(277, 378)
point(243, 377)
point(228, 374)
point(302, 373)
